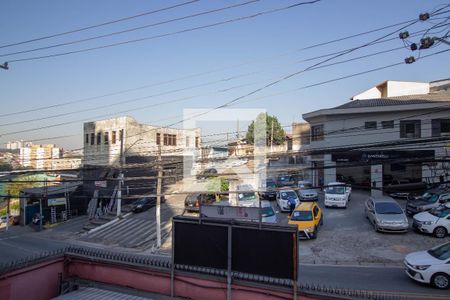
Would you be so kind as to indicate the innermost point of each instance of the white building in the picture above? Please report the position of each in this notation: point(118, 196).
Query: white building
point(39, 156)
point(396, 130)
point(14, 145)
point(119, 140)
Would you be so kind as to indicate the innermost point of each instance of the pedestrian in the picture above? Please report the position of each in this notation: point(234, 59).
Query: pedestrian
point(292, 205)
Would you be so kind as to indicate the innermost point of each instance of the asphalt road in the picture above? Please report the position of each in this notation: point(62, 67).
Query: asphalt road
point(389, 280)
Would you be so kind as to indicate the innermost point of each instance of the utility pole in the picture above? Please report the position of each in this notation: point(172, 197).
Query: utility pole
point(158, 197)
point(41, 216)
point(271, 138)
point(8, 210)
point(119, 189)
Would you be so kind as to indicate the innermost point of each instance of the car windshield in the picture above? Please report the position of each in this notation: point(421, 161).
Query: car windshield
point(430, 197)
point(288, 195)
point(440, 212)
point(305, 185)
point(299, 215)
point(388, 208)
point(267, 211)
point(270, 184)
point(339, 190)
point(441, 252)
point(285, 178)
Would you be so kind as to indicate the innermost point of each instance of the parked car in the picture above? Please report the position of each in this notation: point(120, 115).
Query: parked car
point(283, 198)
point(193, 202)
point(337, 194)
point(270, 192)
point(247, 196)
point(306, 192)
point(435, 221)
point(430, 199)
point(3, 219)
point(431, 266)
point(403, 188)
point(286, 180)
point(144, 204)
point(267, 213)
point(308, 218)
point(386, 215)
point(205, 174)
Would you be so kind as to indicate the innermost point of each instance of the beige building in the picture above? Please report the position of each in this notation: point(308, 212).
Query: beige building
point(39, 156)
point(112, 141)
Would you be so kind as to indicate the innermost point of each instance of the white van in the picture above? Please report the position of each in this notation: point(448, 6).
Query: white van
point(337, 194)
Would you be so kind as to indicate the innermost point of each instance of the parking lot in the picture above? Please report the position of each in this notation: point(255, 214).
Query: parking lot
point(347, 237)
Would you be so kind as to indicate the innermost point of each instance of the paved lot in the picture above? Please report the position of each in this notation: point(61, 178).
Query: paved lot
point(347, 237)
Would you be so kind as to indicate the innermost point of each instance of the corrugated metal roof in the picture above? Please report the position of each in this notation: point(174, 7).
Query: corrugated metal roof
point(400, 100)
point(95, 293)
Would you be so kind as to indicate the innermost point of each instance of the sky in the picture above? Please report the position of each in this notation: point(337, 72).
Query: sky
point(155, 80)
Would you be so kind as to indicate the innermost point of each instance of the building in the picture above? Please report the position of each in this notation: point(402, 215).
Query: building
point(39, 156)
point(117, 141)
point(16, 145)
point(395, 130)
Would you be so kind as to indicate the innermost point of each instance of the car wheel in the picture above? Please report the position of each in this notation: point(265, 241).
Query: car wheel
point(314, 235)
point(375, 226)
point(321, 221)
point(440, 232)
point(440, 281)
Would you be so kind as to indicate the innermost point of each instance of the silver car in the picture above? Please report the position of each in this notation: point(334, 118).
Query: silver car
point(306, 192)
point(386, 214)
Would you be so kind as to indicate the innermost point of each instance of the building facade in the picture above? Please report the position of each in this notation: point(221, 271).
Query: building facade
point(395, 130)
point(113, 142)
point(39, 156)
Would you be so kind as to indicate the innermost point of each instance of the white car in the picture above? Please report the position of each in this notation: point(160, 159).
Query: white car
point(337, 194)
point(267, 213)
point(283, 198)
point(436, 221)
point(431, 266)
point(247, 196)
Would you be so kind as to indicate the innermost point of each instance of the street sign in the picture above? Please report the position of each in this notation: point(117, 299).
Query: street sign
point(56, 201)
point(100, 183)
point(230, 212)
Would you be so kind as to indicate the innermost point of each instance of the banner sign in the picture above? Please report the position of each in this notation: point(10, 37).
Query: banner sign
point(230, 212)
point(101, 183)
point(56, 201)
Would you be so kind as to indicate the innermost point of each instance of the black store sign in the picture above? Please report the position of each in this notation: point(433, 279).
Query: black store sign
point(368, 156)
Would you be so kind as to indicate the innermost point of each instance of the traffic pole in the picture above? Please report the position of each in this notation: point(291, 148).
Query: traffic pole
point(158, 198)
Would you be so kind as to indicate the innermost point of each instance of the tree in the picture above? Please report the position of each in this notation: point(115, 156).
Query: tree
point(264, 128)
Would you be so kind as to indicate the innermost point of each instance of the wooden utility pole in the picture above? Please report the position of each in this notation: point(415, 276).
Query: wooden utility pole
point(158, 197)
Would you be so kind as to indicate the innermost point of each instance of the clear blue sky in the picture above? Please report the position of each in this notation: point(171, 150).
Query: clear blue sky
point(44, 82)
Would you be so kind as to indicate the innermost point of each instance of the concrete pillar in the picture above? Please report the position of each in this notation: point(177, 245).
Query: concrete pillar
point(329, 169)
point(232, 198)
point(376, 179)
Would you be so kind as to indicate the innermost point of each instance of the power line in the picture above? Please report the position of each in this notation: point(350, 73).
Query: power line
point(166, 34)
point(99, 25)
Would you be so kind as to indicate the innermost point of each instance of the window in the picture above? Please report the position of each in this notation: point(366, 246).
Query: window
point(187, 141)
point(315, 211)
point(317, 133)
point(106, 138)
point(370, 125)
point(440, 127)
point(158, 139)
point(113, 137)
point(170, 140)
point(92, 138)
point(387, 124)
point(410, 129)
point(86, 140)
point(99, 138)
point(197, 142)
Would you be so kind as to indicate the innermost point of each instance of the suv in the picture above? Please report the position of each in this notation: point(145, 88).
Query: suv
point(308, 218)
point(436, 221)
point(306, 192)
point(430, 199)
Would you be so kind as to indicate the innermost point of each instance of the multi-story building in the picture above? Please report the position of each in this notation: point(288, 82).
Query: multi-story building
point(395, 130)
point(39, 156)
point(117, 141)
point(15, 145)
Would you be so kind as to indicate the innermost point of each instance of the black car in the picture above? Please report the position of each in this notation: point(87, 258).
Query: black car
point(145, 204)
point(194, 201)
point(286, 180)
point(428, 200)
point(270, 192)
point(211, 172)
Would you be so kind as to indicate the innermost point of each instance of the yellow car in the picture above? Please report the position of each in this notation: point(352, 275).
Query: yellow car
point(308, 218)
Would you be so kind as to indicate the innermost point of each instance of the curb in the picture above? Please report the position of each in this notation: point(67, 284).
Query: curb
point(117, 219)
